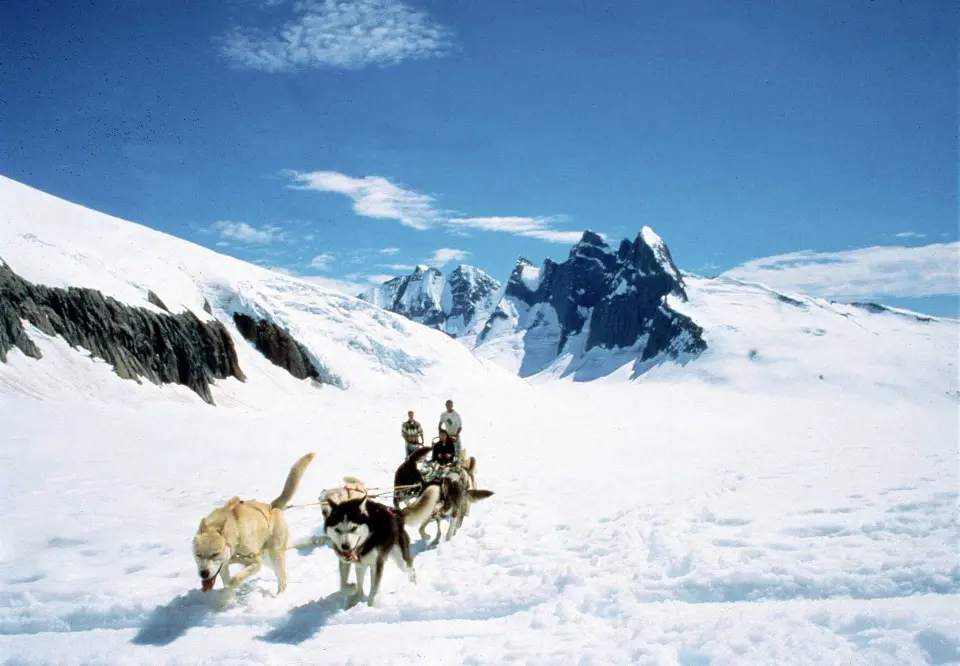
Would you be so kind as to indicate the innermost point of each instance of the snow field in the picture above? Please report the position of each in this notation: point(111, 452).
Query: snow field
point(727, 530)
point(789, 497)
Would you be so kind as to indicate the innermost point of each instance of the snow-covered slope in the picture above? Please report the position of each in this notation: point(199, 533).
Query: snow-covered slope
point(458, 304)
point(762, 340)
point(55, 243)
point(754, 338)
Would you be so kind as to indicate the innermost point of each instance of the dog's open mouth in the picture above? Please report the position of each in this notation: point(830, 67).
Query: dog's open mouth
point(346, 554)
point(206, 584)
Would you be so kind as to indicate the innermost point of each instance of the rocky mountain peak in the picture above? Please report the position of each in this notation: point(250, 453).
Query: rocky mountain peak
point(457, 304)
point(620, 293)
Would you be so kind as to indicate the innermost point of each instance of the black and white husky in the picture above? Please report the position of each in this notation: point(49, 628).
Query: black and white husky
point(457, 486)
point(364, 533)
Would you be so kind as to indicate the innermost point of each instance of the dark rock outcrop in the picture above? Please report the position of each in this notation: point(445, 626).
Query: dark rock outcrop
point(278, 346)
point(11, 331)
point(876, 308)
point(155, 300)
point(163, 348)
point(518, 285)
point(783, 298)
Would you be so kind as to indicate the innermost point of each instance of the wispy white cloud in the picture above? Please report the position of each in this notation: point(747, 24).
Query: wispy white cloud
point(338, 33)
point(909, 234)
point(377, 197)
point(398, 267)
point(373, 196)
point(892, 271)
point(322, 261)
point(244, 233)
point(390, 250)
point(445, 255)
point(531, 227)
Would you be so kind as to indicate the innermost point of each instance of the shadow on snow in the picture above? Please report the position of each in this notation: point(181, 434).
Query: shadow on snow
point(170, 622)
point(303, 622)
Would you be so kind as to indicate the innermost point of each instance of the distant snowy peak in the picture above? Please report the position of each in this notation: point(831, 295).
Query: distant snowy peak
point(597, 298)
point(524, 281)
point(416, 296)
point(471, 291)
point(457, 304)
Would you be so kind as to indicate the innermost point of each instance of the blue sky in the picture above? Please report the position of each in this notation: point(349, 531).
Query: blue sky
point(351, 140)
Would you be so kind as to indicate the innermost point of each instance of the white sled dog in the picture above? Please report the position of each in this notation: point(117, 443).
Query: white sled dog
point(352, 488)
point(243, 532)
point(364, 533)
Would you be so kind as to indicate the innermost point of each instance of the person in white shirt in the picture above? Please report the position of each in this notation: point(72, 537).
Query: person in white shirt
point(450, 421)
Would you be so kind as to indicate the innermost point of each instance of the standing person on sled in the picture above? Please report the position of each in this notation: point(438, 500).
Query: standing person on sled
point(450, 421)
point(412, 434)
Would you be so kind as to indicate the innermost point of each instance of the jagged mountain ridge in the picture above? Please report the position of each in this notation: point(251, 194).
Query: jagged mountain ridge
point(458, 304)
point(615, 298)
point(598, 298)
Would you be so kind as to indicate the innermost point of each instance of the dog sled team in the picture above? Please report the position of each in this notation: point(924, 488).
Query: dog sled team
point(435, 482)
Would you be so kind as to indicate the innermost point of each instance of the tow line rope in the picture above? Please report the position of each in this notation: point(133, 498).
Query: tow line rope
point(379, 494)
point(319, 541)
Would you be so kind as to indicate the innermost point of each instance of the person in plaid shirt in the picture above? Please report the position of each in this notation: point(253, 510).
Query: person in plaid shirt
point(412, 434)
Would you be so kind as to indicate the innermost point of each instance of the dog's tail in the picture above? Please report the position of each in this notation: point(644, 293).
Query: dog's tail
point(477, 495)
point(293, 480)
point(425, 505)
